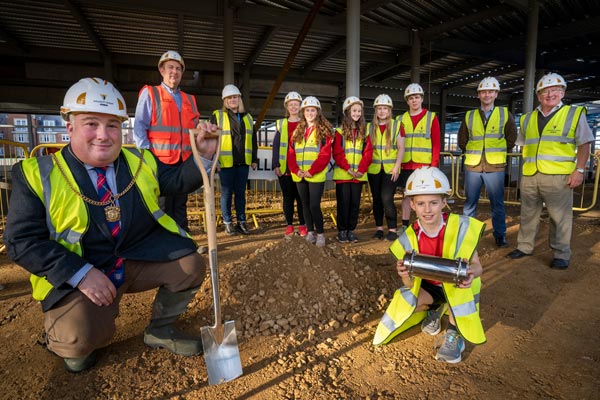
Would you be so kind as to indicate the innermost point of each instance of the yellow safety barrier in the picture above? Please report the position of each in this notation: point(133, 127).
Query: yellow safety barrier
point(581, 194)
point(10, 153)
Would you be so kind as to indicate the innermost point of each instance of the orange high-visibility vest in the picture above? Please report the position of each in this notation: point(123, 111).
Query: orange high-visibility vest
point(168, 133)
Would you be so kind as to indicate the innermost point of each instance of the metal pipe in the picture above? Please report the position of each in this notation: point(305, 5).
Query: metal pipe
point(228, 68)
point(436, 268)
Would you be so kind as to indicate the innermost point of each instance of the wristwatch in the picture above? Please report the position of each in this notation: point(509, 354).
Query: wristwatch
point(580, 170)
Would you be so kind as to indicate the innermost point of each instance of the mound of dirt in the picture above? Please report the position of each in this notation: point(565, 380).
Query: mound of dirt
point(291, 286)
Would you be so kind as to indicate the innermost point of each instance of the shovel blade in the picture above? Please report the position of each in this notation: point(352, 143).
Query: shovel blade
point(223, 362)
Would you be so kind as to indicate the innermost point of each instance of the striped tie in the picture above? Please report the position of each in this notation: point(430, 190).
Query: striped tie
point(117, 273)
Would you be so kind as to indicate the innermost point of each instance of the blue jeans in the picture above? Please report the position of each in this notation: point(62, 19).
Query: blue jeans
point(233, 183)
point(494, 186)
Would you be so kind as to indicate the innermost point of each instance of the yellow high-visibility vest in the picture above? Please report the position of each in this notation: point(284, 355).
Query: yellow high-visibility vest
point(554, 152)
point(354, 153)
point(417, 147)
point(382, 157)
point(489, 138)
point(461, 237)
point(226, 156)
point(68, 228)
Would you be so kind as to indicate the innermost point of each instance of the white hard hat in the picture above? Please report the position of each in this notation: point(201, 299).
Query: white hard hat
point(292, 96)
point(230, 90)
point(350, 101)
point(310, 101)
point(489, 83)
point(383, 100)
point(171, 55)
point(94, 95)
point(551, 79)
point(427, 180)
point(413, 88)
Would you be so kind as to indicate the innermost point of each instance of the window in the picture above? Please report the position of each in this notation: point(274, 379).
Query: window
point(20, 138)
point(47, 138)
point(65, 138)
point(49, 122)
point(20, 122)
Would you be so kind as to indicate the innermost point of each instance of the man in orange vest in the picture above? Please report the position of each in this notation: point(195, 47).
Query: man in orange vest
point(163, 117)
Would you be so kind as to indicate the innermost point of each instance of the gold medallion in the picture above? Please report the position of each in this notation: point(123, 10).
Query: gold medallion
point(112, 213)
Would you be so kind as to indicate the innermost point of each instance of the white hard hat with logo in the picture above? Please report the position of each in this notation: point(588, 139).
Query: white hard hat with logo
point(427, 180)
point(94, 95)
point(413, 88)
point(230, 90)
point(171, 55)
point(350, 101)
point(489, 83)
point(292, 96)
point(383, 100)
point(551, 79)
point(311, 101)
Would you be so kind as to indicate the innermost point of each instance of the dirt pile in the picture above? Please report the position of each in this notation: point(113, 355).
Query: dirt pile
point(291, 286)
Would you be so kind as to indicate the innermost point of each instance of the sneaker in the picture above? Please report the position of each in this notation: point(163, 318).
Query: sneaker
point(432, 324)
point(320, 240)
point(229, 229)
point(289, 231)
point(342, 237)
point(378, 234)
point(452, 348)
point(303, 231)
point(391, 236)
point(242, 228)
point(310, 238)
point(352, 237)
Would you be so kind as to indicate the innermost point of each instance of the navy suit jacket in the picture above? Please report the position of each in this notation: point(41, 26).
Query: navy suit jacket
point(27, 236)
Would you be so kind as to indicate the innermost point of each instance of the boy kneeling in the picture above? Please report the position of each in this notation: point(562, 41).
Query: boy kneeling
point(439, 234)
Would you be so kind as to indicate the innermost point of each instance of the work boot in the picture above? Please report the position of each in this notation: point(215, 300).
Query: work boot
point(452, 348)
point(242, 228)
point(229, 229)
point(76, 365)
point(161, 332)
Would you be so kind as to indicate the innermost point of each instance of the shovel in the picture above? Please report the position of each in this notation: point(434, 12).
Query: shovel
point(221, 352)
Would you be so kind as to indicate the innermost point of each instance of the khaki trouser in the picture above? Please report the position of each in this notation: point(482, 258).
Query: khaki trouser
point(75, 326)
point(552, 190)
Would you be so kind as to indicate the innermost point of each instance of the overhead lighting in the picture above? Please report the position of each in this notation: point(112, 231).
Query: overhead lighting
point(579, 60)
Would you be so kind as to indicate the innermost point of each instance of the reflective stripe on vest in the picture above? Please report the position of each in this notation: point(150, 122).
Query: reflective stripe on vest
point(353, 151)
point(226, 157)
point(68, 228)
point(282, 128)
point(555, 151)
point(417, 147)
point(381, 156)
point(490, 138)
point(307, 152)
point(168, 132)
point(461, 237)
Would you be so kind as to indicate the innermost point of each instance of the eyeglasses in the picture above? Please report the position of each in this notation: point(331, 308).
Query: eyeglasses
point(550, 91)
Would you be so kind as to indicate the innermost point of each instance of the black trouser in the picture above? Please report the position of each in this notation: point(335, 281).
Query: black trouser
point(290, 194)
point(176, 207)
point(348, 205)
point(310, 194)
point(382, 191)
